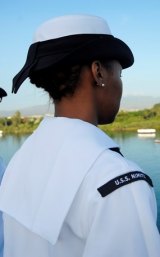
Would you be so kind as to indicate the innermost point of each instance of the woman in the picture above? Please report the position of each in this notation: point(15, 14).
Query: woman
point(69, 191)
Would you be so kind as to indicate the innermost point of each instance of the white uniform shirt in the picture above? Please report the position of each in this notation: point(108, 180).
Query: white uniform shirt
point(53, 203)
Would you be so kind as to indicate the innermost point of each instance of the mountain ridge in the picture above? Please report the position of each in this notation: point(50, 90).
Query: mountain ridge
point(128, 103)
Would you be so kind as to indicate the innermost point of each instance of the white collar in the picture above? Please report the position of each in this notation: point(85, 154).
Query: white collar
point(40, 173)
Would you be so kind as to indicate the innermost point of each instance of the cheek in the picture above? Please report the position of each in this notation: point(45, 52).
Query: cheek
point(115, 97)
point(109, 101)
point(115, 91)
point(118, 87)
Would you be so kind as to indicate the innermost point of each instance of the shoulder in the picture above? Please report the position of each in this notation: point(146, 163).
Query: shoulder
point(112, 173)
point(109, 167)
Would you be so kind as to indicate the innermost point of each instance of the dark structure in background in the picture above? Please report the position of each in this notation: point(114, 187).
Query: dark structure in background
point(2, 93)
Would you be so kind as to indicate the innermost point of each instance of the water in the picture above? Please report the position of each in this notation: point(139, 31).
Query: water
point(9, 145)
point(144, 151)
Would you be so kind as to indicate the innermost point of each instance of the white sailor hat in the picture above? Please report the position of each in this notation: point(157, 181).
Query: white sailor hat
point(72, 39)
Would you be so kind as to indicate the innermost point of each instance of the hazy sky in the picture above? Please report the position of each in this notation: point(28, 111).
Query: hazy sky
point(136, 22)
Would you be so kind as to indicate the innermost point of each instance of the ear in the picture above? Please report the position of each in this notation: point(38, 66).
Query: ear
point(97, 72)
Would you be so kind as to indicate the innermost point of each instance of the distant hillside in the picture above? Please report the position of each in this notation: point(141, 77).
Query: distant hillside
point(127, 103)
point(34, 110)
point(138, 102)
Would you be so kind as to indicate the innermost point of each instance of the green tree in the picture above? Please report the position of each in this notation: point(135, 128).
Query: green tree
point(16, 119)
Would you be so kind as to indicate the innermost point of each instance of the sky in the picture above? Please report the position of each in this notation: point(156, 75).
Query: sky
point(136, 22)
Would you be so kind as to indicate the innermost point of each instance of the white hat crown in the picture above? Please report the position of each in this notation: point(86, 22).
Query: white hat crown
point(71, 25)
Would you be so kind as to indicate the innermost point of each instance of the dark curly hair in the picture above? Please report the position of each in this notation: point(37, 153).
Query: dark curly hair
point(59, 82)
point(56, 82)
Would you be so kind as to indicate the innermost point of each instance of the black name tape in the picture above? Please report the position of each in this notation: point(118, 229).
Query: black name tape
point(123, 180)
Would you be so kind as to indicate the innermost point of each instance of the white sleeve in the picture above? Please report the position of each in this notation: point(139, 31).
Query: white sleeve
point(123, 223)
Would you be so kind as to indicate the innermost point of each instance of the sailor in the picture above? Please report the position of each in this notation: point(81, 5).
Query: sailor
point(69, 191)
point(2, 169)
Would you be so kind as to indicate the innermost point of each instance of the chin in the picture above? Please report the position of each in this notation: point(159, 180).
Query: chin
point(107, 120)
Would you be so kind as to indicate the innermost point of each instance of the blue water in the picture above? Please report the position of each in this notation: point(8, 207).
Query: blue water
point(144, 151)
point(9, 145)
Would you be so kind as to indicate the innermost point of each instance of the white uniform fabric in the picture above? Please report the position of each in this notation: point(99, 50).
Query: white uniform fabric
point(2, 169)
point(51, 204)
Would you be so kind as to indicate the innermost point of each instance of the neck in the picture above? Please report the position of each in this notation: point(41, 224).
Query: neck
point(81, 105)
point(74, 108)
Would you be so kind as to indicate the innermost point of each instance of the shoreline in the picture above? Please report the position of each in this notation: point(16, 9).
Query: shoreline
point(125, 121)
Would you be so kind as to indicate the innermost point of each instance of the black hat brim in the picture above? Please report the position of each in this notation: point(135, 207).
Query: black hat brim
point(72, 50)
